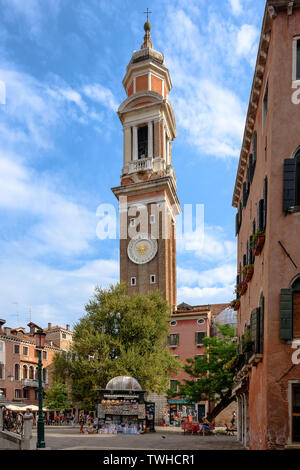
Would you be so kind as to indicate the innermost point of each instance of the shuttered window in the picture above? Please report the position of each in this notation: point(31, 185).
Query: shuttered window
point(265, 202)
point(173, 340)
point(298, 60)
point(254, 148)
point(289, 184)
point(296, 413)
point(260, 216)
point(296, 315)
point(256, 330)
point(286, 314)
point(199, 337)
point(245, 194)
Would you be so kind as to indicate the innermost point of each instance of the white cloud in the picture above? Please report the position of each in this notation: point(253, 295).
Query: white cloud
point(236, 7)
point(102, 95)
point(246, 42)
point(206, 295)
point(223, 275)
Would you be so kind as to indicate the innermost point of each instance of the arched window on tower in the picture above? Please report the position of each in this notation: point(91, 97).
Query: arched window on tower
point(142, 142)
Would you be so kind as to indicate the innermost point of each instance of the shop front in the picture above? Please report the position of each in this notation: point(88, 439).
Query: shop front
point(180, 410)
point(122, 408)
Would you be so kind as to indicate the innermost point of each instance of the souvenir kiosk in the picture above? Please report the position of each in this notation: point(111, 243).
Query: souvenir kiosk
point(122, 408)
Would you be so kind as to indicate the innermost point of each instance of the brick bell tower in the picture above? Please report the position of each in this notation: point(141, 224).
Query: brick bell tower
point(148, 202)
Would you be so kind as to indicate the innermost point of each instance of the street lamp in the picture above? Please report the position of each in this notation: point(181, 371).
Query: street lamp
point(39, 337)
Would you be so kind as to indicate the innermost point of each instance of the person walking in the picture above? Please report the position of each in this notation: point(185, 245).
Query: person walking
point(233, 419)
point(81, 423)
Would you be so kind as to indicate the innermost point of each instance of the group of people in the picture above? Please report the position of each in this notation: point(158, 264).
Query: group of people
point(204, 426)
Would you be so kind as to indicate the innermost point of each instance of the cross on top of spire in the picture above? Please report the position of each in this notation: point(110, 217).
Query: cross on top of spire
point(148, 13)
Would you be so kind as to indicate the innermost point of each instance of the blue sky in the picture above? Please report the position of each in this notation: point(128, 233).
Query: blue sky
point(63, 62)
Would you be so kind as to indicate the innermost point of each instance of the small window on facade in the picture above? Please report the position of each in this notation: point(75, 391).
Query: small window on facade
point(173, 323)
point(1, 346)
point(25, 372)
point(173, 340)
point(199, 338)
point(265, 104)
point(25, 351)
point(16, 348)
point(17, 393)
point(152, 279)
point(64, 336)
point(174, 385)
point(133, 281)
point(3, 392)
point(201, 321)
point(17, 372)
point(296, 412)
point(132, 222)
point(31, 373)
point(152, 219)
point(143, 142)
point(1, 371)
point(25, 393)
point(45, 354)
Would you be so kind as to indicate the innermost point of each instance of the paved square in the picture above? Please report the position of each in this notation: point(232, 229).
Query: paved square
point(68, 438)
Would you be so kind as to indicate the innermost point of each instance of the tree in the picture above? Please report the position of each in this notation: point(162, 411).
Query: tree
point(119, 335)
point(57, 397)
point(212, 375)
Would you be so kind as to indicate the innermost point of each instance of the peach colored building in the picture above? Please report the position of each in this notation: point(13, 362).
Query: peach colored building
point(188, 326)
point(19, 364)
point(267, 197)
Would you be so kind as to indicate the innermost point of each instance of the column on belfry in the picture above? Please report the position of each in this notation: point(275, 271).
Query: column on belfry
point(150, 139)
point(135, 143)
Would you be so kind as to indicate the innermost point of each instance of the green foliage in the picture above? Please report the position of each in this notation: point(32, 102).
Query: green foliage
point(212, 375)
point(57, 397)
point(119, 335)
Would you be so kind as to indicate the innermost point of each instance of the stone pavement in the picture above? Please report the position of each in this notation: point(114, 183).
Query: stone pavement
point(68, 438)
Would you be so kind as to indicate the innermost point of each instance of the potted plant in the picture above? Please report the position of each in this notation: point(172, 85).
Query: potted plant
point(258, 241)
point(248, 272)
point(244, 287)
point(247, 343)
point(235, 304)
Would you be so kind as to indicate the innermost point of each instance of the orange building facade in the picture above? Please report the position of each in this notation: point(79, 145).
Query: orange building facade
point(19, 363)
point(267, 197)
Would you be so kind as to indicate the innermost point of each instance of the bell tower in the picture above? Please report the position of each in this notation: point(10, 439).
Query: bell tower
point(148, 202)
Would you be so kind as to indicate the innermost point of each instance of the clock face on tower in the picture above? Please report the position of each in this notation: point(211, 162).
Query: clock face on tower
point(142, 249)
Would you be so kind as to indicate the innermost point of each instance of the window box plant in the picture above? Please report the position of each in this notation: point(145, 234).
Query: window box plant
point(258, 241)
point(248, 272)
point(244, 287)
point(247, 343)
point(235, 304)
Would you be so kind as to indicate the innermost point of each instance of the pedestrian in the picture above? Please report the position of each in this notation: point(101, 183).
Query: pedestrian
point(81, 423)
point(233, 419)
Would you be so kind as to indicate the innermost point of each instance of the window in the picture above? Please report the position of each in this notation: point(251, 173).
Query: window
point(296, 413)
point(133, 281)
point(25, 393)
point(290, 312)
point(291, 180)
point(16, 348)
point(143, 142)
point(199, 338)
point(174, 385)
point(152, 219)
point(265, 104)
point(31, 373)
point(45, 376)
point(17, 393)
point(152, 279)
point(45, 354)
point(1, 346)
point(64, 336)
point(173, 323)
point(132, 222)
point(17, 372)
point(296, 59)
point(25, 372)
point(25, 350)
point(2, 371)
point(36, 395)
point(201, 322)
point(173, 340)
point(2, 392)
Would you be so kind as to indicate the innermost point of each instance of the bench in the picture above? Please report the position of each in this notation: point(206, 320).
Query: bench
point(230, 431)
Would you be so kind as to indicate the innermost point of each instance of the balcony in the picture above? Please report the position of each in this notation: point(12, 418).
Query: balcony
point(145, 164)
point(30, 383)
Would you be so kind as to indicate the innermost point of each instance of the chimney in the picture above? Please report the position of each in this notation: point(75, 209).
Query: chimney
point(7, 331)
point(68, 327)
point(49, 326)
point(2, 322)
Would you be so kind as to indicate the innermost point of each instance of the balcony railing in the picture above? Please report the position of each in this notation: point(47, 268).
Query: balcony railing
point(144, 164)
point(30, 383)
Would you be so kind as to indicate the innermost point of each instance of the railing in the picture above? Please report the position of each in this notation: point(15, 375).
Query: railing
point(30, 383)
point(12, 421)
point(141, 165)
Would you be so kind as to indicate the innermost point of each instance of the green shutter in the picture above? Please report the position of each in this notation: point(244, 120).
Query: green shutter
point(254, 147)
point(245, 194)
point(254, 325)
point(289, 184)
point(177, 340)
point(260, 215)
point(265, 202)
point(251, 166)
point(286, 314)
point(262, 326)
point(169, 340)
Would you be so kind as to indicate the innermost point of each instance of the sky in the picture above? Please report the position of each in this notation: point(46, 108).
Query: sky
point(62, 63)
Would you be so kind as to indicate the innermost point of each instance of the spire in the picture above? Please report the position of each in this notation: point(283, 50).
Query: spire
point(147, 27)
